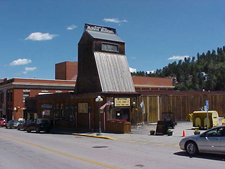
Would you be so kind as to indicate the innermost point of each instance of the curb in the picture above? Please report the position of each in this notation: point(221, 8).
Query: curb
point(89, 135)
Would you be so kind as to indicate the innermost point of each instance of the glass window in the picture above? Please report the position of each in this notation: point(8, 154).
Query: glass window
point(109, 47)
point(9, 96)
point(66, 110)
point(2, 97)
point(25, 94)
point(218, 132)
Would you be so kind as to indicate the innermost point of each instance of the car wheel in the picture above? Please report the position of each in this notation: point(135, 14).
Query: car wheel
point(38, 130)
point(28, 129)
point(191, 148)
point(6, 127)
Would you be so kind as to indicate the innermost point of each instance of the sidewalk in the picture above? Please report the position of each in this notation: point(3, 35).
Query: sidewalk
point(141, 134)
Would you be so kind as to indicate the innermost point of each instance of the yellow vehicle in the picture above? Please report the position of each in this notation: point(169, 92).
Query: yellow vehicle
point(223, 121)
point(199, 119)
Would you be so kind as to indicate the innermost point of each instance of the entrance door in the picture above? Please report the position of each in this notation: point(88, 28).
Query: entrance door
point(123, 114)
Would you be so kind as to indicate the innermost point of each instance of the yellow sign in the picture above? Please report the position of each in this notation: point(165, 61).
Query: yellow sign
point(82, 107)
point(122, 101)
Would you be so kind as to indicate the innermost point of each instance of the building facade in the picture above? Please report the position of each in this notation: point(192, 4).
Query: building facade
point(13, 93)
point(103, 70)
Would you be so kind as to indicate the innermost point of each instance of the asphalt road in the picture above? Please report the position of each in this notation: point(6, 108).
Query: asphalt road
point(21, 150)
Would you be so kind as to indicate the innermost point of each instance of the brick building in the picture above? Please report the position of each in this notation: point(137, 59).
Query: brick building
point(14, 91)
point(68, 71)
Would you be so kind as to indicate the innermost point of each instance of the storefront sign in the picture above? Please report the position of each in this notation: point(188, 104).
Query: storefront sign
point(122, 101)
point(100, 29)
point(161, 128)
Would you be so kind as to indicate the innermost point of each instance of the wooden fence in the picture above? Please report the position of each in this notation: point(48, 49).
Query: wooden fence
point(179, 105)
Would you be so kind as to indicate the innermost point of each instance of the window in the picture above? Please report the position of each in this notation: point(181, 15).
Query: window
point(25, 94)
point(9, 96)
point(82, 107)
point(109, 47)
point(2, 97)
point(218, 132)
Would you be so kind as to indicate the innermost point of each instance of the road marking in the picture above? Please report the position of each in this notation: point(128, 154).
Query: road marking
point(64, 154)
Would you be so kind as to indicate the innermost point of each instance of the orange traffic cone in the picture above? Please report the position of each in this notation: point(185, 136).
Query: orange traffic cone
point(183, 134)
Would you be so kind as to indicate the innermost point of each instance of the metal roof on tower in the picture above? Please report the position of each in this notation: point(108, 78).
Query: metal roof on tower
point(105, 36)
point(114, 74)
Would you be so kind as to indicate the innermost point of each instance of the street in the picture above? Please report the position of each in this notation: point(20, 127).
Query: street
point(20, 149)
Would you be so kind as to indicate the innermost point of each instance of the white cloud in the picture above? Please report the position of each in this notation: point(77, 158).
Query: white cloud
point(152, 71)
point(20, 62)
point(133, 57)
point(29, 69)
point(38, 36)
point(71, 27)
point(178, 57)
point(114, 20)
point(132, 70)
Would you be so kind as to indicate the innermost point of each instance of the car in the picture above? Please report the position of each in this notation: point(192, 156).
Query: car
point(210, 141)
point(23, 125)
point(2, 122)
point(12, 124)
point(39, 124)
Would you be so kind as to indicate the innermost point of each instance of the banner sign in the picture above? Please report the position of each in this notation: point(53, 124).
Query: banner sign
point(97, 28)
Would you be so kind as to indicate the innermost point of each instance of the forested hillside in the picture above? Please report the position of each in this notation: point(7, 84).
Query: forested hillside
point(206, 72)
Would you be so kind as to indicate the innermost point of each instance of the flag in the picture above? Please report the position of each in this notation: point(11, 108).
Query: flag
point(108, 103)
point(142, 104)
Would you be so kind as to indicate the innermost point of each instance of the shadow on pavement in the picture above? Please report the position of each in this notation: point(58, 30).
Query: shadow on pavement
point(217, 157)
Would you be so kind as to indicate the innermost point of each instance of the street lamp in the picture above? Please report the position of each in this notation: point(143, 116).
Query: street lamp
point(15, 109)
point(98, 100)
point(134, 104)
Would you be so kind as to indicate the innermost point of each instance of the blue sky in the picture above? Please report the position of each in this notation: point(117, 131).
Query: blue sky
point(35, 35)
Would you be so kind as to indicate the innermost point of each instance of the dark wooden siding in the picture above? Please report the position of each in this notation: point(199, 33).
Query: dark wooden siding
point(88, 79)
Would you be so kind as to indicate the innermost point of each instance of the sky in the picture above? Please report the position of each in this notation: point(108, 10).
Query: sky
point(37, 34)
